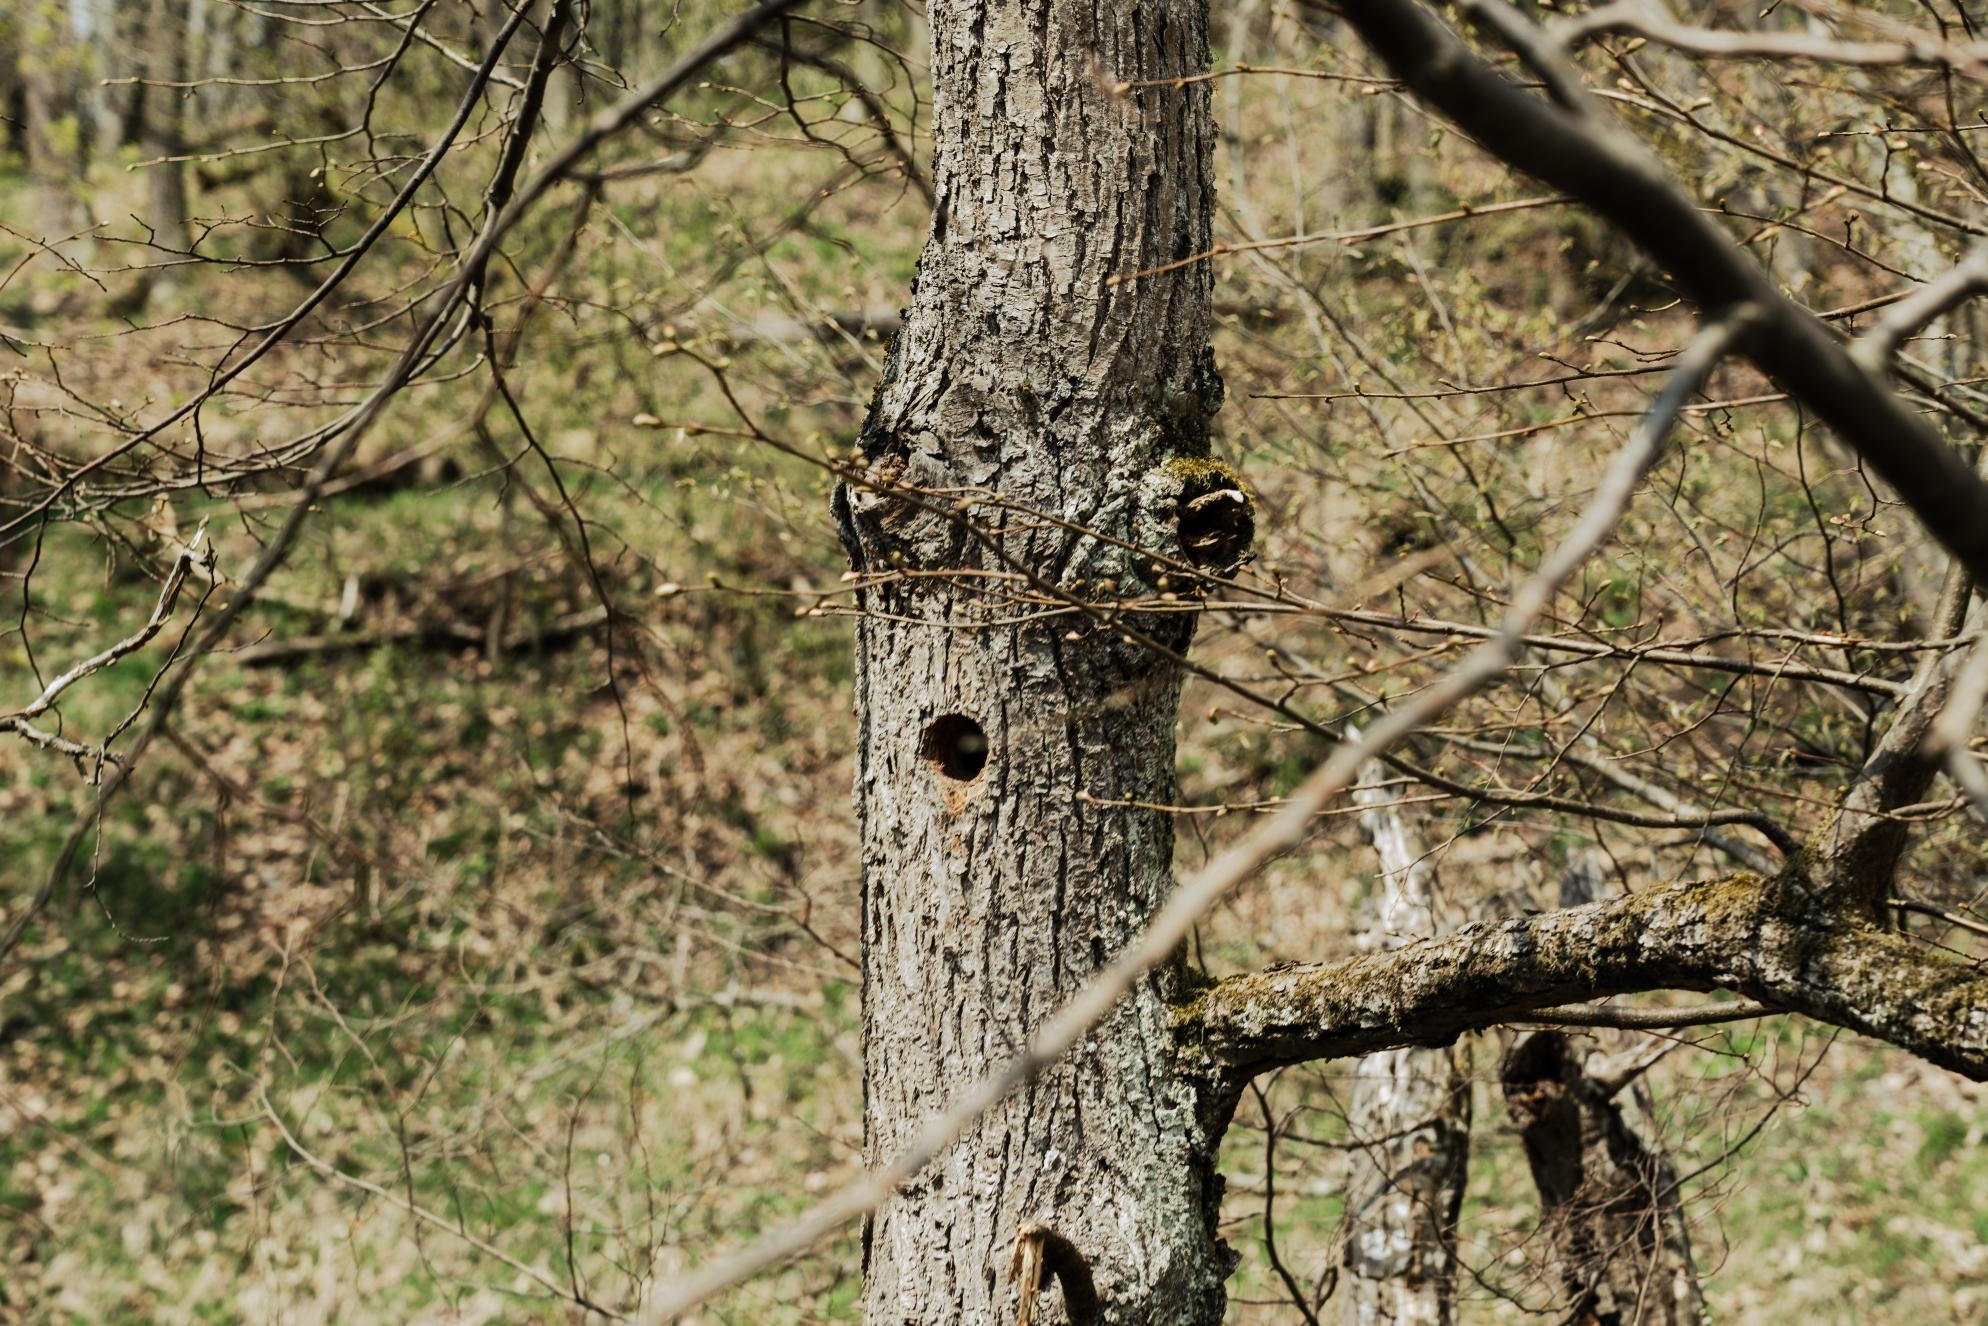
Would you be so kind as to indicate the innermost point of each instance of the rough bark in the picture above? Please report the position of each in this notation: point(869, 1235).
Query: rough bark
point(999, 749)
point(1850, 863)
point(1041, 424)
point(1410, 1112)
point(1609, 1200)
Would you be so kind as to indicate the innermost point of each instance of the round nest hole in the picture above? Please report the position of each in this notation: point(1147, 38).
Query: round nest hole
point(956, 746)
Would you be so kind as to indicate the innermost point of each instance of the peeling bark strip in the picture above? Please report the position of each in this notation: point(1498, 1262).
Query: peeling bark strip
point(1767, 938)
point(1024, 381)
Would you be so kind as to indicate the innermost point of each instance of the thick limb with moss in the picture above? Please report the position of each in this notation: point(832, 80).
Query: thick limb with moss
point(1745, 933)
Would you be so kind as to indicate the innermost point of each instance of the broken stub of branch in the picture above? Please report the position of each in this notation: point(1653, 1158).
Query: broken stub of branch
point(1040, 1252)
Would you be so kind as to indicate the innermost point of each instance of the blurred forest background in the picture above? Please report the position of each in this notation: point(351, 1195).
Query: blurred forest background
point(479, 933)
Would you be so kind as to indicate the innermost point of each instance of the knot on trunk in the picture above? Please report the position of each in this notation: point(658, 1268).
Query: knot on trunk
point(898, 514)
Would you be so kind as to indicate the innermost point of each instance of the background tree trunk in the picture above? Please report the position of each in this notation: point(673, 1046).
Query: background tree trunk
point(1607, 1192)
point(51, 71)
point(1410, 1113)
point(1008, 762)
point(162, 129)
point(13, 92)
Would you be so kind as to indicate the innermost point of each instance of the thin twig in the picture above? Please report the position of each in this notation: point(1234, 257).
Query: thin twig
point(1650, 22)
point(1965, 280)
point(423, 1214)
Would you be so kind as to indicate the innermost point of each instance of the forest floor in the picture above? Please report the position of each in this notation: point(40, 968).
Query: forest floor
point(434, 979)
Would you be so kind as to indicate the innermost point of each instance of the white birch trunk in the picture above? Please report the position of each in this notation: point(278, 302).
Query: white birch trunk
point(1410, 1110)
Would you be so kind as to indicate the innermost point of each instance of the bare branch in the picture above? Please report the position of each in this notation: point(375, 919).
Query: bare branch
point(1646, 19)
point(1648, 1019)
point(1591, 157)
point(1949, 738)
point(1279, 833)
point(1855, 854)
point(195, 553)
point(449, 306)
point(1967, 279)
point(423, 1214)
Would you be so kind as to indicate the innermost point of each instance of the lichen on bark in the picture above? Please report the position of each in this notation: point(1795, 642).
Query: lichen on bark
point(1744, 933)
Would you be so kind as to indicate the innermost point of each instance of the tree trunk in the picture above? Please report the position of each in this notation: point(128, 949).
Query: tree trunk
point(1009, 758)
point(13, 91)
point(1410, 1112)
point(162, 130)
point(1607, 1192)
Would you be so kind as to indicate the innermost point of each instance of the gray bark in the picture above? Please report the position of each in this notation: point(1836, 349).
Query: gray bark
point(1042, 425)
point(1809, 940)
point(1410, 1112)
point(1770, 939)
point(1614, 1227)
point(998, 747)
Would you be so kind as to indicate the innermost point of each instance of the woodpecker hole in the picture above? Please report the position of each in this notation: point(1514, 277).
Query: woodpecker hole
point(956, 746)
